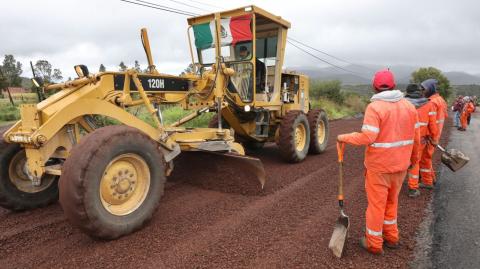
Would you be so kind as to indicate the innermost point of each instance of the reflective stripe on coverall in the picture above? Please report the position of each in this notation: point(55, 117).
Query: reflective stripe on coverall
point(392, 138)
point(442, 114)
point(467, 110)
point(427, 119)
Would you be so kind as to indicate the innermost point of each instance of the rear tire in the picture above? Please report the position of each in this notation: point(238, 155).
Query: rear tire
point(16, 190)
point(318, 122)
point(112, 182)
point(294, 136)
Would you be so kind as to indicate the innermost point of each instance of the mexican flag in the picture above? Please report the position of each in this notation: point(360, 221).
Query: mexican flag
point(233, 30)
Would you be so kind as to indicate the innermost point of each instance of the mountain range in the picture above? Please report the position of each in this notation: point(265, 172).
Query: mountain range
point(362, 74)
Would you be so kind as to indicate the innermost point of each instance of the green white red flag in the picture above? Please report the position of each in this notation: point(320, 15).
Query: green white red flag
point(233, 30)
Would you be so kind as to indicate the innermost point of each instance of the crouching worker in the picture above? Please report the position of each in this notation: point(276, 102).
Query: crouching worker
point(427, 120)
point(391, 138)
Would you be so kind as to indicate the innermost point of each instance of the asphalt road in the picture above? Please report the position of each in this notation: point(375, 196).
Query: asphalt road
point(456, 206)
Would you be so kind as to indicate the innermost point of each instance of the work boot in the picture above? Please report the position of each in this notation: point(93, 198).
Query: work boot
point(412, 193)
point(363, 244)
point(391, 244)
point(425, 186)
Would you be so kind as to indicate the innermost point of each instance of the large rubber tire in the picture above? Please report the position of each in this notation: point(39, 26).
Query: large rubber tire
point(319, 130)
point(16, 191)
point(84, 172)
point(290, 151)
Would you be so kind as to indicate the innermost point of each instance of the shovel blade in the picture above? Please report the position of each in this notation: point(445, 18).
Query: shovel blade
point(339, 236)
point(454, 159)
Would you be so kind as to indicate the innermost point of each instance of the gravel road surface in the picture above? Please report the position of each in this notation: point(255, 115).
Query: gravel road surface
point(213, 216)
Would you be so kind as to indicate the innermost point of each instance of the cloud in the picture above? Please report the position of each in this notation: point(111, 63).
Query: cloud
point(439, 33)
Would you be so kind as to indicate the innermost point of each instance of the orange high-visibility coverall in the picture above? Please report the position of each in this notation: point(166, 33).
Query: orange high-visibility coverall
point(391, 134)
point(468, 109)
point(426, 166)
point(427, 120)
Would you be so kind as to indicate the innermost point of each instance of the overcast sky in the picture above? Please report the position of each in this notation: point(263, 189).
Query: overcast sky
point(440, 33)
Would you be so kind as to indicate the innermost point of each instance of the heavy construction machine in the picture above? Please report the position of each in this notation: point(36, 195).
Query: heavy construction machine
point(109, 179)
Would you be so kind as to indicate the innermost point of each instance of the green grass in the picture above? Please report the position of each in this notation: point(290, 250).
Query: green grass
point(170, 115)
point(334, 110)
point(174, 113)
point(9, 112)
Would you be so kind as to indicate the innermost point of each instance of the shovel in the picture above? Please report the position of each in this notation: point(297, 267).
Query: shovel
point(453, 158)
point(339, 235)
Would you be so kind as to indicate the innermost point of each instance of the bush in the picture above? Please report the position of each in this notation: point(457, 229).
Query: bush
point(334, 111)
point(356, 102)
point(330, 89)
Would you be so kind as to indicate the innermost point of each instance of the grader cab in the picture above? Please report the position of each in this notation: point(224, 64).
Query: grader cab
point(109, 179)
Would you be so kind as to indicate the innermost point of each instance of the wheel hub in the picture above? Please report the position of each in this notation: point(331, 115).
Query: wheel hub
point(321, 132)
point(300, 137)
point(23, 181)
point(124, 184)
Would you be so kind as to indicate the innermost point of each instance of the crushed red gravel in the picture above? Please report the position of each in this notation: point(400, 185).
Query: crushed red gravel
point(213, 215)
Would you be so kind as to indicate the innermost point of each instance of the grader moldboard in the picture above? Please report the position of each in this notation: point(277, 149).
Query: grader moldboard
point(111, 178)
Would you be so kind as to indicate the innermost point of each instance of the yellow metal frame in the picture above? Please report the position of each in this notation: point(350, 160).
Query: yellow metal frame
point(51, 128)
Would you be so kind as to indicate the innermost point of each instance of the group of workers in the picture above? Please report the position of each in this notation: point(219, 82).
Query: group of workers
point(463, 106)
point(400, 133)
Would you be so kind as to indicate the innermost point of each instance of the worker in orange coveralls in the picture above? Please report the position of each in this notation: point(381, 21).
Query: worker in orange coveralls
point(430, 91)
point(427, 120)
point(391, 135)
point(468, 109)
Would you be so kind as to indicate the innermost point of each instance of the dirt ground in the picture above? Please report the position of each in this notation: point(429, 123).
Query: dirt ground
point(213, 216)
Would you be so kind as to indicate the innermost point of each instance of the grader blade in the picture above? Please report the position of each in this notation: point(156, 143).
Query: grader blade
point(251, 164)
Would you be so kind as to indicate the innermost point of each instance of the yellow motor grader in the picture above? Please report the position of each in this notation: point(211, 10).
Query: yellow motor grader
point(109, 179)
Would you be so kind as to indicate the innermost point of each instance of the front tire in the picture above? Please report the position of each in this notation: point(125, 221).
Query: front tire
point(318, 122)
point(112, 182)
point(16, 190)
point(294, 136)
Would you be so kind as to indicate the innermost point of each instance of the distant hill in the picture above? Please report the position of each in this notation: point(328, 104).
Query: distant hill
point(364, 73)
point(462, 78)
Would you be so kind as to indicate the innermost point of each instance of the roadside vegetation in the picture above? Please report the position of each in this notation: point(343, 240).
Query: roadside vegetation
point(337, 102)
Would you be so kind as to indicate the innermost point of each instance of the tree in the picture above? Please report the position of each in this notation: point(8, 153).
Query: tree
point(45, 70)
point(102, 68)
point(3, 80)
point(11, 71)
point(425, 73)
point(330, 89)
point(122, 66)
point(137, 66)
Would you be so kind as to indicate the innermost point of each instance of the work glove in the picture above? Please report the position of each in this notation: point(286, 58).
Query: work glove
point(432, 141)
point(341, 138)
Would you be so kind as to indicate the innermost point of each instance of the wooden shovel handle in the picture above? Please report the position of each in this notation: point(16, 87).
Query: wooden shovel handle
point(340, 151)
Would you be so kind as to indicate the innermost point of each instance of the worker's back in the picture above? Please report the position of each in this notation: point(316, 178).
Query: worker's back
point(392, 149)
point(427, 117)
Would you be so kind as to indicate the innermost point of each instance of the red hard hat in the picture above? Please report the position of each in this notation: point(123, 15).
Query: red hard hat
point(383, 81)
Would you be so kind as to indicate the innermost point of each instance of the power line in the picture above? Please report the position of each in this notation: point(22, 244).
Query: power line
point(325, 61)
point(159, 7)
point(187, 5)
point(171, 8)
point(203, 3)
point(323, 52)
point(187, 13)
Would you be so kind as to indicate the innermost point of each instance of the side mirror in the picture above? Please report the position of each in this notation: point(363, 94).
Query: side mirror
point(38, 82)
point(81, 70)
